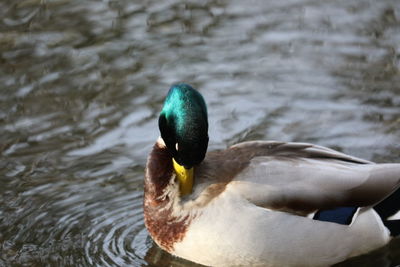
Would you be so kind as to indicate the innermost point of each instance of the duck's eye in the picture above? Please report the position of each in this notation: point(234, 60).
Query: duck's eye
point(177, 147)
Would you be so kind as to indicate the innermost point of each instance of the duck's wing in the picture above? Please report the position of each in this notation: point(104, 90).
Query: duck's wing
point(302, 178)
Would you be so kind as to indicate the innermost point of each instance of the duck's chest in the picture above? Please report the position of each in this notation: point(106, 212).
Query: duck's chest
point(165, 228)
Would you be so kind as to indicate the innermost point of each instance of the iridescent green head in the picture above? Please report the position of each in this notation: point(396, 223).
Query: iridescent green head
point(183, 125)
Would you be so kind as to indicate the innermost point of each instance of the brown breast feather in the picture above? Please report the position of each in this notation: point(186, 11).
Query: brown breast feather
point(165, 228)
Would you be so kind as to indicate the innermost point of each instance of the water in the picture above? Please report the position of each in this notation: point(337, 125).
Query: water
point(82, 83)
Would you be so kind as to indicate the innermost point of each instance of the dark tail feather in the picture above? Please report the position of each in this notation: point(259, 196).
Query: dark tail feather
point(387, 208)
point(393, 226)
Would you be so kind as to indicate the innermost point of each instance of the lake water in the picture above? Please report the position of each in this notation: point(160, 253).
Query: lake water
point(82, 82)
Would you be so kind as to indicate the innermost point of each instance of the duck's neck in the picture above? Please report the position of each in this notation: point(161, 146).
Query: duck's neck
point(159, 171)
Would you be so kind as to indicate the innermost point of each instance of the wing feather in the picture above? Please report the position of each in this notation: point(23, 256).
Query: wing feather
point(301, 177)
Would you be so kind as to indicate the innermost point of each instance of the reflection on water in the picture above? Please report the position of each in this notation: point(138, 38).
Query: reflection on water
point(82, 83)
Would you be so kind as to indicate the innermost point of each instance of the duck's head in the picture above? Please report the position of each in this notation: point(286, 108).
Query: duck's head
point(184, 128)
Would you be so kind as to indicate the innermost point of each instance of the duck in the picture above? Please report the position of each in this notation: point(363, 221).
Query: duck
point(261, 203)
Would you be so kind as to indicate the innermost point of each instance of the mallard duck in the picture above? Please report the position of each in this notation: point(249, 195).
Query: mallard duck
point(261, 203)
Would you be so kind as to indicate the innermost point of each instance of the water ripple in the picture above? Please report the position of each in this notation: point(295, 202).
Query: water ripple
point(109, 240)
point(82, 83)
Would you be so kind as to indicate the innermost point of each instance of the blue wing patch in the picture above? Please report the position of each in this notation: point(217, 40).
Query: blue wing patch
point(341, 215)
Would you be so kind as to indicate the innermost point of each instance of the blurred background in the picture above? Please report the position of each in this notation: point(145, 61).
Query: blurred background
point(82, 82)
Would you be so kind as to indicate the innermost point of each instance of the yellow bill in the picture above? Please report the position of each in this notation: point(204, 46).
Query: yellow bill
point(185, 177)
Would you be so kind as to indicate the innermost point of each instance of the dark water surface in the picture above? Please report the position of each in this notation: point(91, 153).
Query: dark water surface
point(82, 82)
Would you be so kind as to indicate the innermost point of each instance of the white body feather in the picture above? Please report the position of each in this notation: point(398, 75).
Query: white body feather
point(234, 232)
